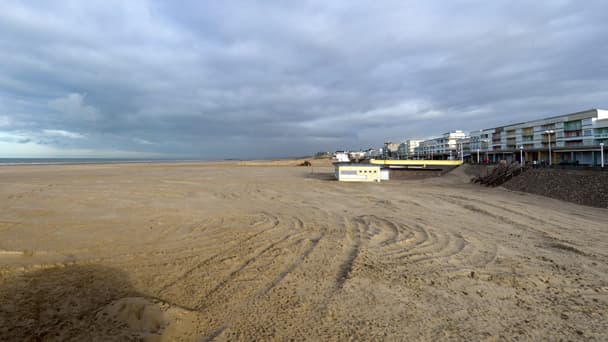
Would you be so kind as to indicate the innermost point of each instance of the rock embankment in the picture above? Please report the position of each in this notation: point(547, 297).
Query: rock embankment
point(586, 187)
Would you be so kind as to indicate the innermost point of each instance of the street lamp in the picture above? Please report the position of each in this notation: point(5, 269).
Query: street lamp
point(521, 156)
point(549, 132)
point(461, 152)
point(602, 154)
point(481, 141)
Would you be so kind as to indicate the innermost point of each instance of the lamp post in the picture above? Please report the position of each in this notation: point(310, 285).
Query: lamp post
point(481, 141)
point(521, 156)
point(461, 152)
point(549, 132)
point(602, 154)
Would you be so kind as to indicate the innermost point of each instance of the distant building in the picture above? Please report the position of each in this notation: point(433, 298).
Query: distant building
point(390, 150)
point(572, 138)
point(356, 156)
point(373, 153)
point(463, 147)
point(407, 149)
point(443, 147)
point(340, 157)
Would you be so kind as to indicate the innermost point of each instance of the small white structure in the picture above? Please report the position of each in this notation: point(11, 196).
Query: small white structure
point(384, 174)
point(341, 157)
point(346, 172)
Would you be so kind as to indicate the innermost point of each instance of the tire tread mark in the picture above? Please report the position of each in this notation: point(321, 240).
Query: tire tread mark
point(232, 274)
point(213, 257)
point(347, 266)
point(298, 261)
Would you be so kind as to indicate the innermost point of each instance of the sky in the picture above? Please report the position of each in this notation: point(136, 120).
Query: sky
point(264, 79)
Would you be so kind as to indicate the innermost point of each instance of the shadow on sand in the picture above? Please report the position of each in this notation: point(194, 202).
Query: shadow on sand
point(326, 176)
point(63, 303)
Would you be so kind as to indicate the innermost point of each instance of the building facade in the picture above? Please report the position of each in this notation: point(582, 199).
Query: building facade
point(390, 150)
point(572, 138)
point(443, 147)
point(407, 149)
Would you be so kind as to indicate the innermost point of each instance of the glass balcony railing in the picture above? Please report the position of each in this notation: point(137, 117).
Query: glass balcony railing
point(573, 126)
point(527, 131)
point(570, 134)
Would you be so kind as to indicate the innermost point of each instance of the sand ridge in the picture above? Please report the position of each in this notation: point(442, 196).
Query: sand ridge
point(227, 252)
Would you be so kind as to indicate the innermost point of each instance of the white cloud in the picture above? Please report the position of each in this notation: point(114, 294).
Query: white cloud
point(73, 107)
point(142, 141)
point(62, 133)
point(5, 121)
point(34, 150)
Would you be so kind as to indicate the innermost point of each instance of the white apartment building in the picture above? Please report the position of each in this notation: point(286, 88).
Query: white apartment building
point(571, 137)
point(390, 150)
point(407, 149)
point(443, 147)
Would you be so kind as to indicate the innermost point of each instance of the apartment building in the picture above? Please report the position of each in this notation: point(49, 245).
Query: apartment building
point(407, 149)
point(390, 150)
point(464, 148)
point(574, 137)
point(444, 147)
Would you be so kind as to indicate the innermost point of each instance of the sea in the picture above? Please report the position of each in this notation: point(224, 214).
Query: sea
point(76, 161)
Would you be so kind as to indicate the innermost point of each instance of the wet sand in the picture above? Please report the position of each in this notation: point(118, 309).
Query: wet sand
point(235, 251)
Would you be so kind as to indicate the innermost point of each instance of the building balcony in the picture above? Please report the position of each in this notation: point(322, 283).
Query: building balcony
point(573, 126)
point(527, 131)
point(571, 138)
point(574, 143)
point(574, 133)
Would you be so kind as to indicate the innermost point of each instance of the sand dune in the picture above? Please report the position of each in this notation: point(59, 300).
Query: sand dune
point(226, 252)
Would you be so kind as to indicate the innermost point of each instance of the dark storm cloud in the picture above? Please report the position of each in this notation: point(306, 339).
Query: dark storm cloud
point(245, 79)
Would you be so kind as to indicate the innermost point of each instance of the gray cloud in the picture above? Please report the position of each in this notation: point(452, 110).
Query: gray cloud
point(245, 79)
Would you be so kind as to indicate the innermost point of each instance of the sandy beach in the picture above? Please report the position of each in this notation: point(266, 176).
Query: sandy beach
point(255, 251)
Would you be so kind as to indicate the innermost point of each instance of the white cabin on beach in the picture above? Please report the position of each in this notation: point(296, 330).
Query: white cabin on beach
point(347, 172)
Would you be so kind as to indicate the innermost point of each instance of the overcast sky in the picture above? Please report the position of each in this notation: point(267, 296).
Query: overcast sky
point(255, 79)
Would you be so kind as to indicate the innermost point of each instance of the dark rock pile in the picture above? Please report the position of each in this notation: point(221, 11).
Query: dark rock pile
point(499, 174)
point(586, 187)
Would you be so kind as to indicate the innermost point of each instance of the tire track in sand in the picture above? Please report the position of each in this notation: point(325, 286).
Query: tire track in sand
point(205, 302)
point(275, 223)
point(346, 266)
point(297, 261)
point(312, 245)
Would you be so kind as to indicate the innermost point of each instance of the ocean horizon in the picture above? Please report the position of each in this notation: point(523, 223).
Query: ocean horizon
point(67, 161)
point(76, 161)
